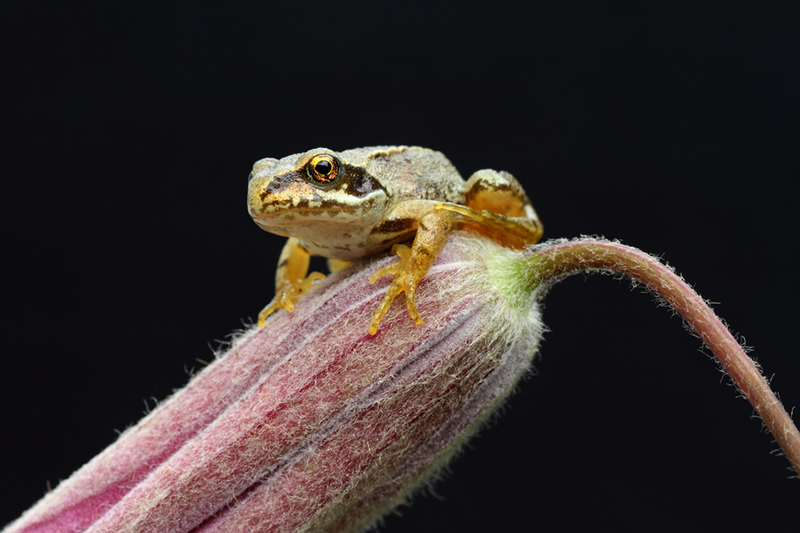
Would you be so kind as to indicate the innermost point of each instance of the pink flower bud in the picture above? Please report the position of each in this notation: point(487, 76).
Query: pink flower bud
point(311, 423)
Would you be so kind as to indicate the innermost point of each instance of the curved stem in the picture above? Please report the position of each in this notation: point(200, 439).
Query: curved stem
point(554, 260)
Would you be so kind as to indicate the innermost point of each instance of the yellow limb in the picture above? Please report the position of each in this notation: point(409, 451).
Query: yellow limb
point(513, 232)
point(414, 263)
point(291, 279)
point(335, 265)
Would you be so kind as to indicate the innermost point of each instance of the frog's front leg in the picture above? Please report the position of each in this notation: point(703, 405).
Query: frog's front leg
point(432, 234)
point(290, 278)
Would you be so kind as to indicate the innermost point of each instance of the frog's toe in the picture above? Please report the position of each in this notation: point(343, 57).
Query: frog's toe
point(286, 296)
point(273, 306)
point(516, 233)
point(395, 289)
point(404, 281)
point(394, 268)
point(287, 299)
point(412, 305)
point(310, 279)
point(404, 253)
point(283, 300)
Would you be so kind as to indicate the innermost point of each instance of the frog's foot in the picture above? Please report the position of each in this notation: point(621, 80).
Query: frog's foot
point(514, 232)
point(406, 279)
point(286, 295)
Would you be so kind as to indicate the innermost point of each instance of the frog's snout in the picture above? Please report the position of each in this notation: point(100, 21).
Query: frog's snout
point(255, 203)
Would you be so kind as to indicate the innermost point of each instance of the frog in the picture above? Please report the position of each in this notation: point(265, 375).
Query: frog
point(354, 204)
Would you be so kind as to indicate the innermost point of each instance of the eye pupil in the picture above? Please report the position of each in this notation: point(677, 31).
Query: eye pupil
point(323, 167)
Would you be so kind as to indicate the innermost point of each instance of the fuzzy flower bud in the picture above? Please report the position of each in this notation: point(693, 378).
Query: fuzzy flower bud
point(311, 423)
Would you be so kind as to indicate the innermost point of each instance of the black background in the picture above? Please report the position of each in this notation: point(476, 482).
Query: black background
point(129, 132)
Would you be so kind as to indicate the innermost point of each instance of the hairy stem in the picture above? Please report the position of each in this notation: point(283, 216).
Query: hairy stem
point(552, 261)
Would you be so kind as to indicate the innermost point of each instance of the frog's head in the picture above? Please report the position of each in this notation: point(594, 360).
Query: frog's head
point(301, 193)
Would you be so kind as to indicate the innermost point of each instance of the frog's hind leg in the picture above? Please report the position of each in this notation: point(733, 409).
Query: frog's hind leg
point(495, 205)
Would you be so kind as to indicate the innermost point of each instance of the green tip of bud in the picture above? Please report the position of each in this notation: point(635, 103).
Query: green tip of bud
point(507, 274)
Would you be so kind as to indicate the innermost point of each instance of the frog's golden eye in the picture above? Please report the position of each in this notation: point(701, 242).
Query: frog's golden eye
point(322, 169)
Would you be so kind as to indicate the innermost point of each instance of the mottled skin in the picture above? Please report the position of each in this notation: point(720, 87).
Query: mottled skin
point(357, 203)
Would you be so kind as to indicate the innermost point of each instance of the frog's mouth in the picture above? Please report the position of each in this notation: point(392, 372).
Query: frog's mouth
point(283, 231)
point(299, 210)
point(292, 220)
point(324, 235)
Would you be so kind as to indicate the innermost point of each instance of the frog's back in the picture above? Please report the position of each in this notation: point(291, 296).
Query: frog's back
point(411, 172)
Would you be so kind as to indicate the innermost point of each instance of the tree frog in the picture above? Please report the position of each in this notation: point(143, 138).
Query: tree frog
point(357, 203)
